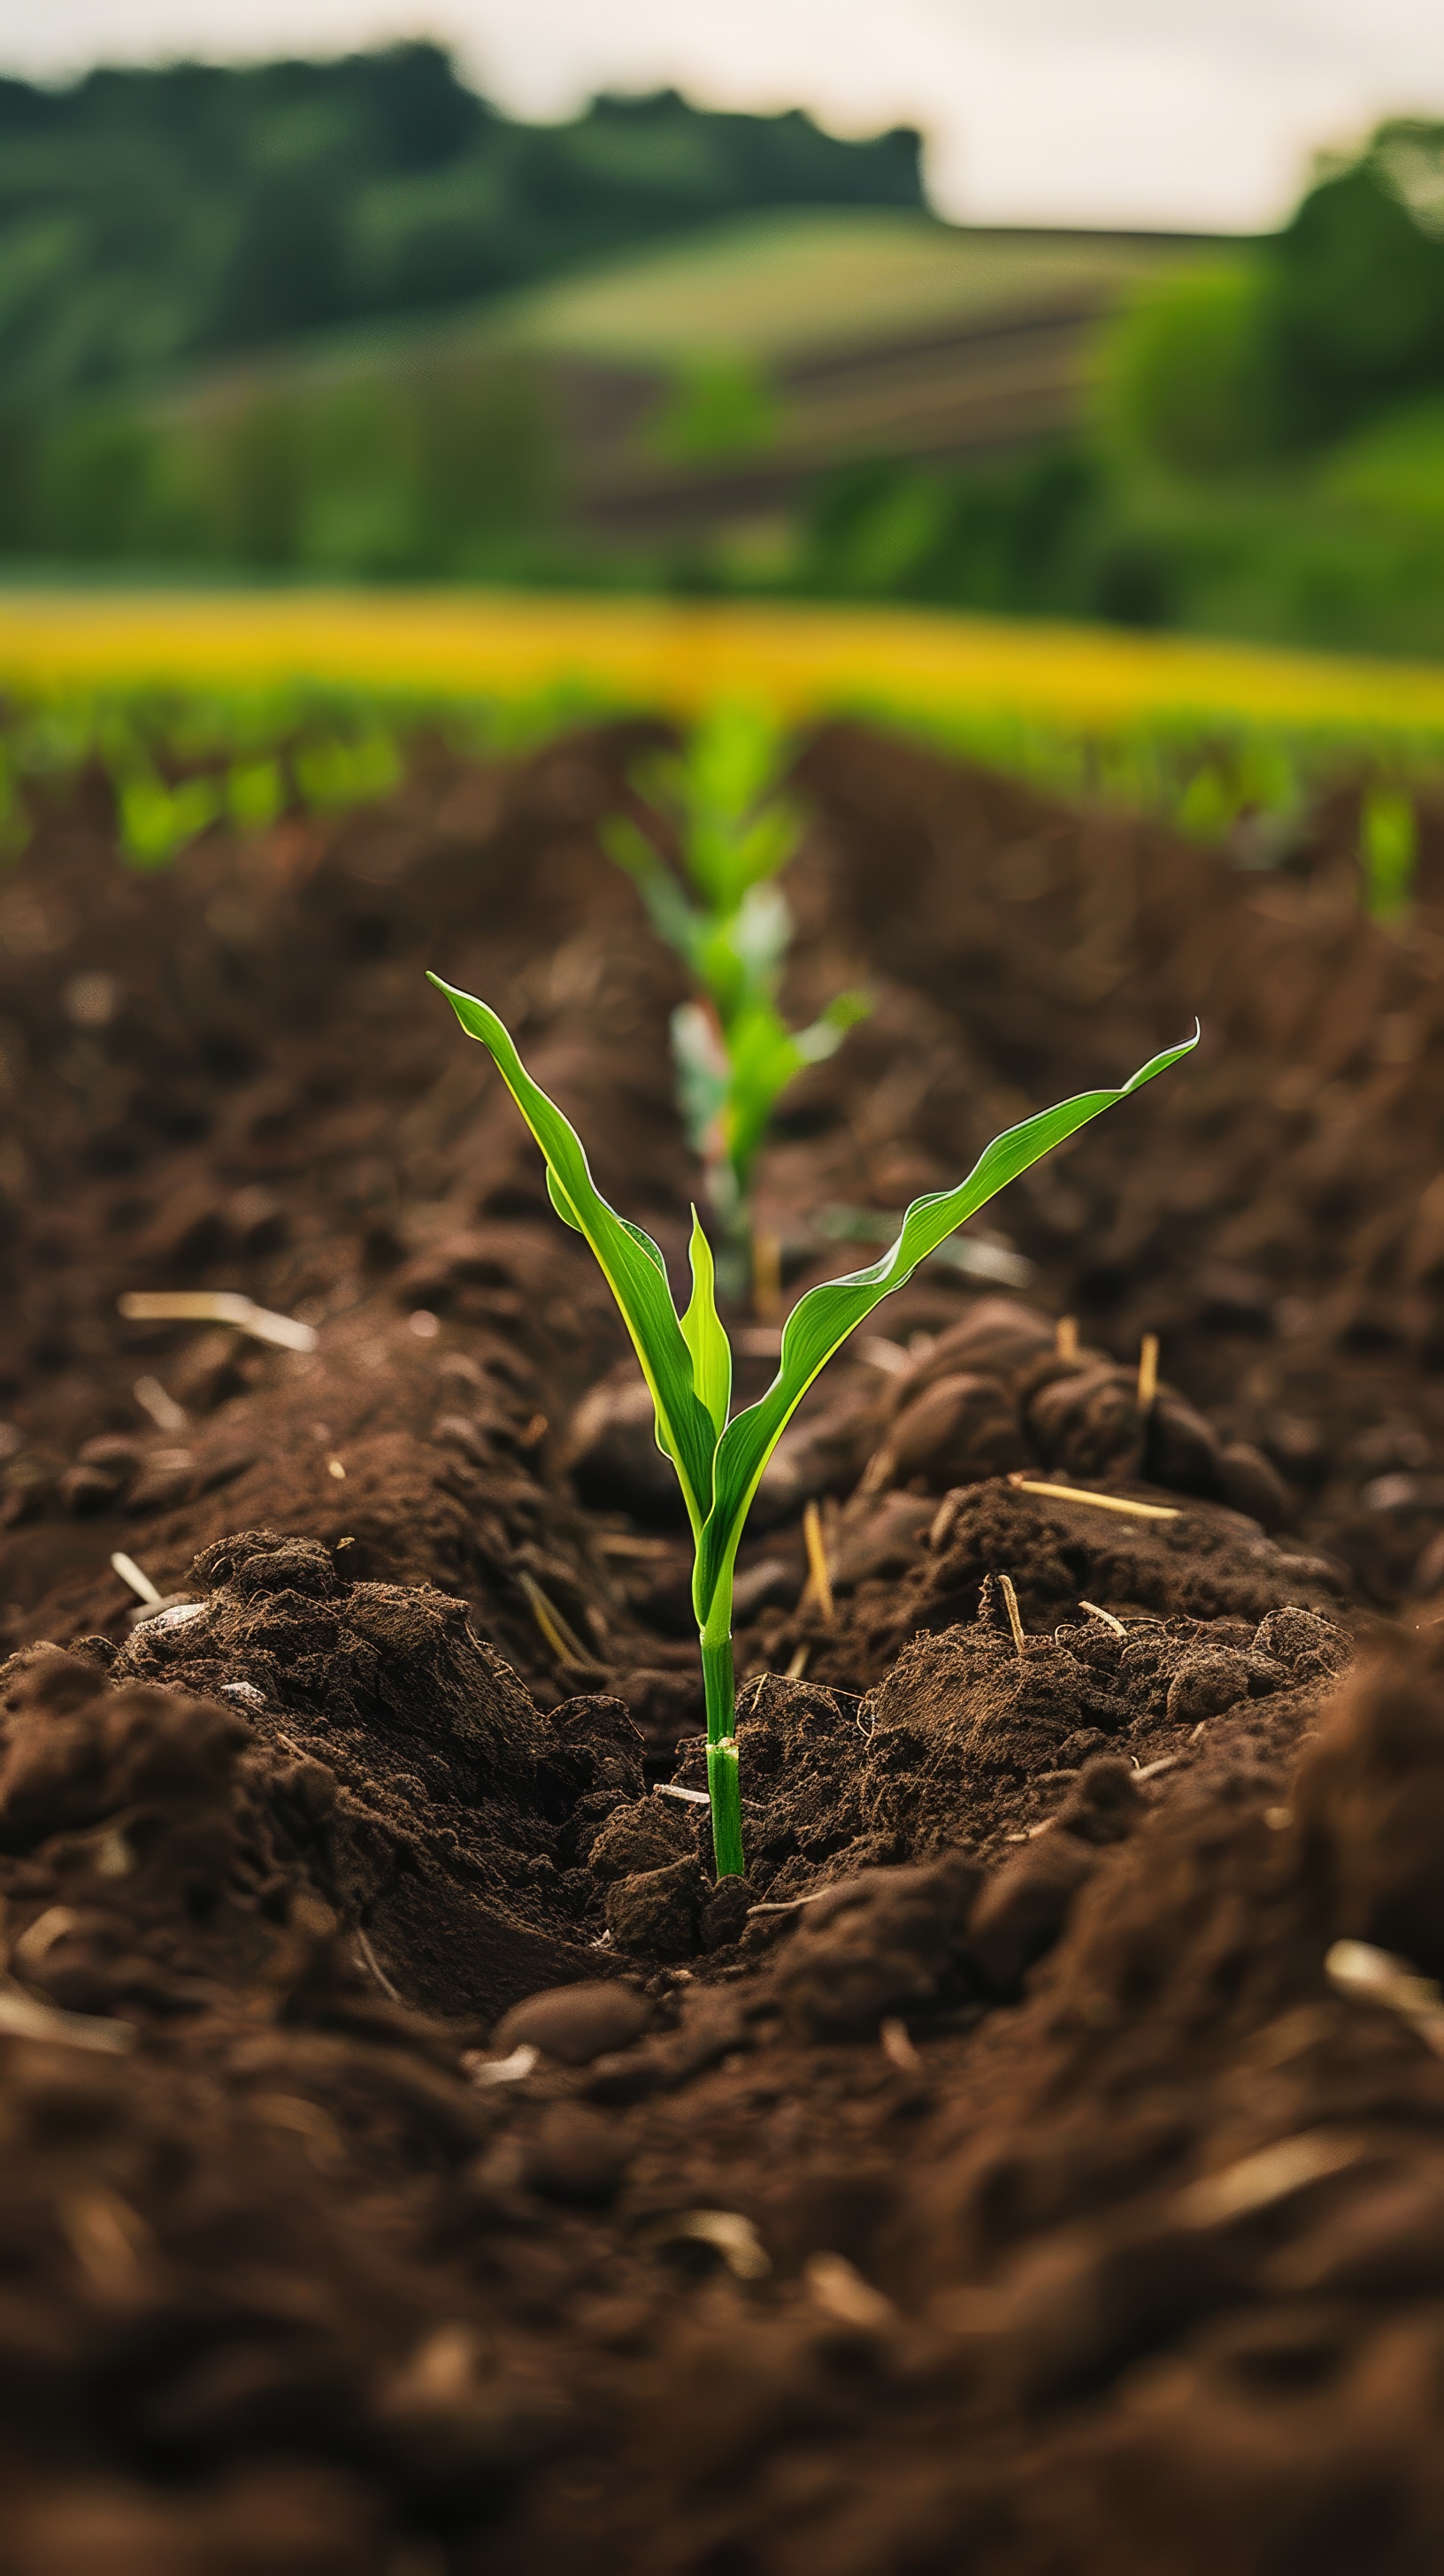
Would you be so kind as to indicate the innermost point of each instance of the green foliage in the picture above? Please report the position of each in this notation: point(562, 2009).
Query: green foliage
point(1325, 325)
point(14, 828)
point(1186, 380)
point(1388, 848)
point(154, 221)
point(1245, 787)
point(151, 217)
point(1008, 535)
point(255, 793)
point(449, 465)
point(685, 1360)
point(1393, 468)
point(1047, 532)
point(1355, 287)
point(180, 761)
point(332, 771)
point(158, 821)
point(719, 406)
point(1263, 455)
point(717, 803)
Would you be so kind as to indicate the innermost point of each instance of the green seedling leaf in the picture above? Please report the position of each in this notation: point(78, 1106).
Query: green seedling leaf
point(764, 1057)
point(726, 853)
point(703, 1334)
point(157, 821)
point(822, 1319)
point(1389, 836)
point(723, 914)
point(332, 774)
point(14, 828)
point(255, 793)
point(825, 1036)
point(630, 1262)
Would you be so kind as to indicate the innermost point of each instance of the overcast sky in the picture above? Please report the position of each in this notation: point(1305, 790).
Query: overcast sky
point(1170, 112)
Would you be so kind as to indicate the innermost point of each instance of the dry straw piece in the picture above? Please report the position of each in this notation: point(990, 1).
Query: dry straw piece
point(819, 1572)
point(563, 1640)
point(838, 2288)
point(138, 1580)
point(1272, 2174)
point(163, 1409)
point(1097, 1502)
point(23, 2016)
point(767, 1278)
point(217, 1306)
point(898, 2046)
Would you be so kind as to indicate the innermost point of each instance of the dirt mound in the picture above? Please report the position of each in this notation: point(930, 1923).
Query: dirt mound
point(1141, 2276)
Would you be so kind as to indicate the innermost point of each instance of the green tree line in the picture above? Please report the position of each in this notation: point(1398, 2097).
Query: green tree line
point(1264, 453)
point(153, 217)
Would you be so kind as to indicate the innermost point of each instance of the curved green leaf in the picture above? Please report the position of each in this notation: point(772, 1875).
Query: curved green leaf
point(823, 1318)
point(703, 1334)
point(631, 1263)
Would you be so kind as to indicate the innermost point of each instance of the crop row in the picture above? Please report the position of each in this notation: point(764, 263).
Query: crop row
point(197, 711)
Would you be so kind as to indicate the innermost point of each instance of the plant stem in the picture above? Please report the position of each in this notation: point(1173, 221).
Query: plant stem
point(722, 1783)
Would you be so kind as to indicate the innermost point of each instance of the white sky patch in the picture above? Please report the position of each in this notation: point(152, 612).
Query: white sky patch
point(1177, 113)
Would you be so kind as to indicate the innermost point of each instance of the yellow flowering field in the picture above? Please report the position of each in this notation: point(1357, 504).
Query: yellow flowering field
point(204, 704)
point(676, 655)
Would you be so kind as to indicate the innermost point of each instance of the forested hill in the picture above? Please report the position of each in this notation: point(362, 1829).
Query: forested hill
point(153, 216)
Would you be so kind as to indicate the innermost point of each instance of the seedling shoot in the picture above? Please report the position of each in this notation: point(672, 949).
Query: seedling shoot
point(686, 1359)
point(719, 801)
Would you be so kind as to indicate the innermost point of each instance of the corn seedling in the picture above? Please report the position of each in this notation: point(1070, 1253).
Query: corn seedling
point(686, 1358)
point(334, 771)
point(720, 803)
point(255, 794)
point(13, 829)
point(1388, 848)
point(179, 761)
point(158, 821)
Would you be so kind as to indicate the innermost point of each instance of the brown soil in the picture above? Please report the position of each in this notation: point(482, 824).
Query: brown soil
point(413, 2163)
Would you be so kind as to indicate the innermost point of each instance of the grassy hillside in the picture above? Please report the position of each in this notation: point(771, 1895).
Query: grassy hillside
point(788, 288)
point(152, 216)
point(595, 424)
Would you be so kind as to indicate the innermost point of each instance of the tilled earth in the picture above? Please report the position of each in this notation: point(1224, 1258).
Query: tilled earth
point(412, 2163)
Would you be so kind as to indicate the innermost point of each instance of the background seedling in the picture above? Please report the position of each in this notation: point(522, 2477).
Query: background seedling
point(686, 1358)
point(719, 803)
point(1388, 848)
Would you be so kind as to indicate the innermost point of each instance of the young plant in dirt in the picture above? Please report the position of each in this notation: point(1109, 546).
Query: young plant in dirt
point(719, 802)
point(686, 1359)
point(1388, 848)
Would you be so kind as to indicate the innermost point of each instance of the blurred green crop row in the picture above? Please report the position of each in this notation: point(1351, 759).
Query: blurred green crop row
point(181, 763)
